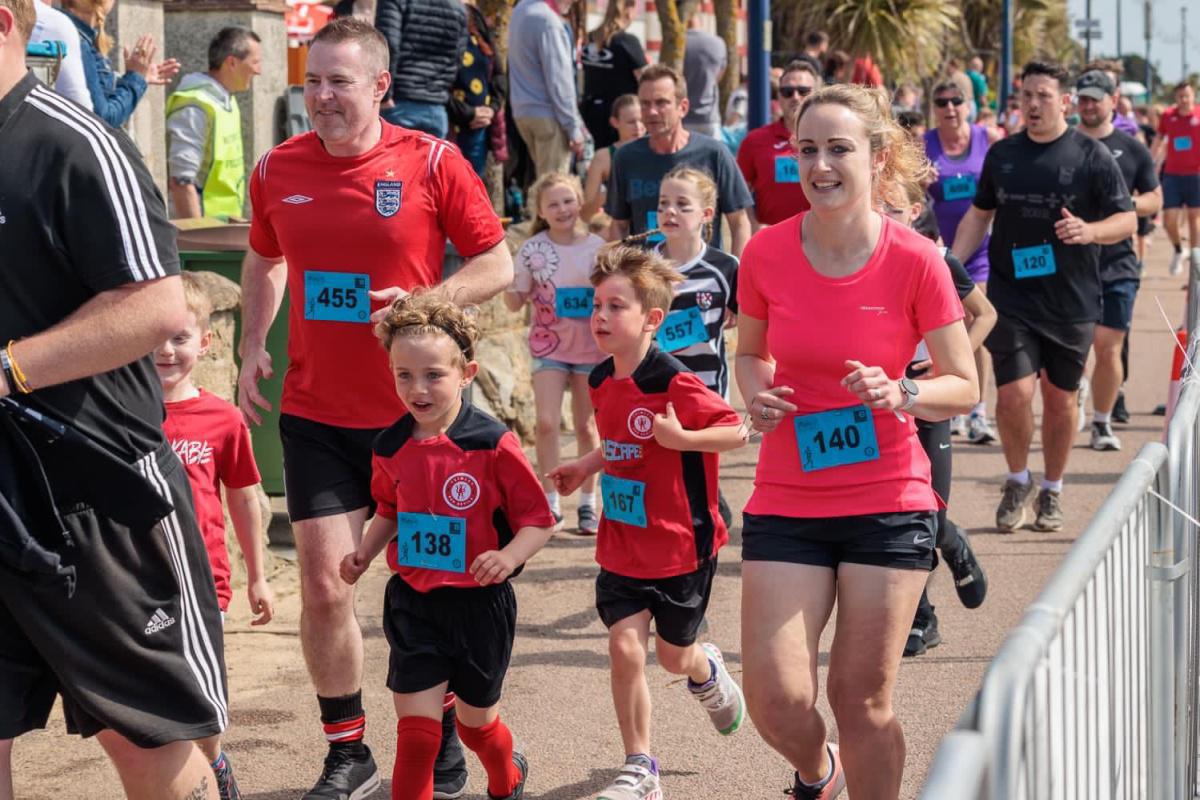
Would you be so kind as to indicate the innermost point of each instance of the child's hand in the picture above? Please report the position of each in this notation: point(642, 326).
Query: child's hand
point(668, 431)
point(353, 566)
point(262, 601)
point(567, 477)
point(494, 566)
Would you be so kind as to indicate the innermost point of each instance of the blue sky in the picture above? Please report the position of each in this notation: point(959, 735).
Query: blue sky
point(1166, 42)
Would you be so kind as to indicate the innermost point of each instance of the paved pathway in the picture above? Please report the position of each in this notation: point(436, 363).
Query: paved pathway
point(557, 699)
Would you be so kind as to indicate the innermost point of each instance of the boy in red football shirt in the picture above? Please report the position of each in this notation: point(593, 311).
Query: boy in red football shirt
point(211, 439)
point(460, 511)
point(661, 429)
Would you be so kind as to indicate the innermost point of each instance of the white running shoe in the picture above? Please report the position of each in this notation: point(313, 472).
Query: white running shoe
point(1103, 437)
point(1081, 398)
point(633, 782)
point(979, 431)
point(721, 697)
point(1176, 266)
point(958, 425)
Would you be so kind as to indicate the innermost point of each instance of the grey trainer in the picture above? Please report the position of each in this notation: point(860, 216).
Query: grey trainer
point(1103, 437)
point(1011, 512)
point(1049, 511)
point(633, 782)
point(722, 697)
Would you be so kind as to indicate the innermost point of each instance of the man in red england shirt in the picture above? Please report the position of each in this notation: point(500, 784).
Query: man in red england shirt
point(767, 159)
point(1177, 153)
point(349, 217)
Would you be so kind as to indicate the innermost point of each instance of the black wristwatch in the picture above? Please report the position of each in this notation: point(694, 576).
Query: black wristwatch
point(910, 390)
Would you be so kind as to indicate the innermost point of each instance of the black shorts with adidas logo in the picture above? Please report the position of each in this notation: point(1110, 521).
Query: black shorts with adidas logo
point(138, 647)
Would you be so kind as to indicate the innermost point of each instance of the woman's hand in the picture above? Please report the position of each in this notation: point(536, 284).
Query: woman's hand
point(873, 386)
point(768, 408)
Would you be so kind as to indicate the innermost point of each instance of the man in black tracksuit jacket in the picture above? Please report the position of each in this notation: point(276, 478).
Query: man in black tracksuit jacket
point(426, 40)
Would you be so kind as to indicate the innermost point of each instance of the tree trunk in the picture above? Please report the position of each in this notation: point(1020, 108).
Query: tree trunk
point(726, 11)
point(673, 34)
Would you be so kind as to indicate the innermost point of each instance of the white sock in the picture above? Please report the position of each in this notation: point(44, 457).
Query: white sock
point(1054, 486)
point(587, 499)
point(979, 410)
point(1101, 417)
point(552, 499)
point(1023, 477)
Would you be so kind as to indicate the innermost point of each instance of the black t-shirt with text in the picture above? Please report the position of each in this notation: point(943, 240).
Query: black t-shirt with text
point(79, 216)
point(609, 71)
point(1119, 261)
point(1033, 275)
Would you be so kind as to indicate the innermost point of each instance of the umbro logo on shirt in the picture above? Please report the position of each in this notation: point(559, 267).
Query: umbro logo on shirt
point(781, 145)
point(297, 199)
point(159, 621)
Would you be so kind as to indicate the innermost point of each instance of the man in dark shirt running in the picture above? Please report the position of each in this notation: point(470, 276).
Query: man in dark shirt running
point(1120, 270)
point(109, 601)
point(1055, 196)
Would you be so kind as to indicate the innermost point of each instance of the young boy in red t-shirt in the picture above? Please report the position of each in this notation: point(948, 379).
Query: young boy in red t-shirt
point(460, 510)
point(211, 439)
point(660, 429)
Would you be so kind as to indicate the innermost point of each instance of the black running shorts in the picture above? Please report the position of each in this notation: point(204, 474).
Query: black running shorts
point(326, 469)
point(461, 636)
point(137, 649)
point(677, 604)
point(1060, 349)
point(898, 540)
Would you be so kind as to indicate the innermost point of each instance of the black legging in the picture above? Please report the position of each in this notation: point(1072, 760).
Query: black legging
point(935, 439)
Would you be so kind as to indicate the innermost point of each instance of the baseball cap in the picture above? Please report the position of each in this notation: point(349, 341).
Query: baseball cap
point(1095, 84)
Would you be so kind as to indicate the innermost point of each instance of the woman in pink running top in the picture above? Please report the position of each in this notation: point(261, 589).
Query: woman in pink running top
point(833, 303)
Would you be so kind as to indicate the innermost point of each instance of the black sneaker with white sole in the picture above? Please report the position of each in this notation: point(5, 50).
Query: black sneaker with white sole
point(969, 579)
point(350, 774)
point(924, 635)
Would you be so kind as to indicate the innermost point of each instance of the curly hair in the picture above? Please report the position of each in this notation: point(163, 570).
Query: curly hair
point(905, 157)
point(652, 276)
point(426, 312)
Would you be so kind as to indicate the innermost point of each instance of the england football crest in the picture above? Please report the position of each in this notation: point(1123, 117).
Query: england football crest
point(387, 197)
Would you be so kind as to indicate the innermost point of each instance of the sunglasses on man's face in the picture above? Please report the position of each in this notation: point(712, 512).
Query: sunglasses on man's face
point(942, 102)
point(795, 91)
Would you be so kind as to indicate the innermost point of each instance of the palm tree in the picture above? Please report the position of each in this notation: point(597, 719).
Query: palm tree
point(906, 38)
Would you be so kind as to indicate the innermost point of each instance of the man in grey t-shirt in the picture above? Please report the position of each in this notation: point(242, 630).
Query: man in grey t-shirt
point(639, 166)
point(704, 62)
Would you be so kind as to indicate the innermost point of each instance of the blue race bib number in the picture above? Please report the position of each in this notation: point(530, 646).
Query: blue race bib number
point(1034, 262)
point(682, 328)
point(1183, 144)
point(427, 541)
point(787, 170)
point(958, 187)
point(836, 438)
point(652, 224)
point(624, 500)
point(573, 302)
point(337, 297)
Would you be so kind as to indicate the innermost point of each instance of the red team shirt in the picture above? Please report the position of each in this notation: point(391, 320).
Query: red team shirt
point(386, 216)
point(211, 439)
point(876, 316)
point(778, 193)
point(685, 529)
point(1183, 141)
point(475, 472)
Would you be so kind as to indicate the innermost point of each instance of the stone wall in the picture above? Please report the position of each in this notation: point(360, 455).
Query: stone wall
point(129, 20)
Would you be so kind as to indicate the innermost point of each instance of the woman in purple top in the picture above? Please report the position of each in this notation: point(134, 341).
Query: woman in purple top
point(956, 149)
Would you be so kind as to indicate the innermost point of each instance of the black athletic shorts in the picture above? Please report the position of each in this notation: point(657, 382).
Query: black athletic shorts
point(137, 648)
point(1020, 348)
point(461, 636)
point(677, 604)
point(326, 469)
point(898, 540)
point(1116, 303)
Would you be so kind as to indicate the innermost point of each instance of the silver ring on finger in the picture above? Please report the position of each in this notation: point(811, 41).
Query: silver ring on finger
point(766, 413)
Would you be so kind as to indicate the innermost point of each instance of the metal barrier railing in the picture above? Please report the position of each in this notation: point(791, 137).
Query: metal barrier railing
point(1094, 694)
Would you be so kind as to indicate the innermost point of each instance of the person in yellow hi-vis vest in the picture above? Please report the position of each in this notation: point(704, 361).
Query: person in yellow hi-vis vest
point(204, 129)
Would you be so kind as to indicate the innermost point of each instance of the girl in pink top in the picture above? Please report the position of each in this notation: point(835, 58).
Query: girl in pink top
point(832, 305)
point(552, 271)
